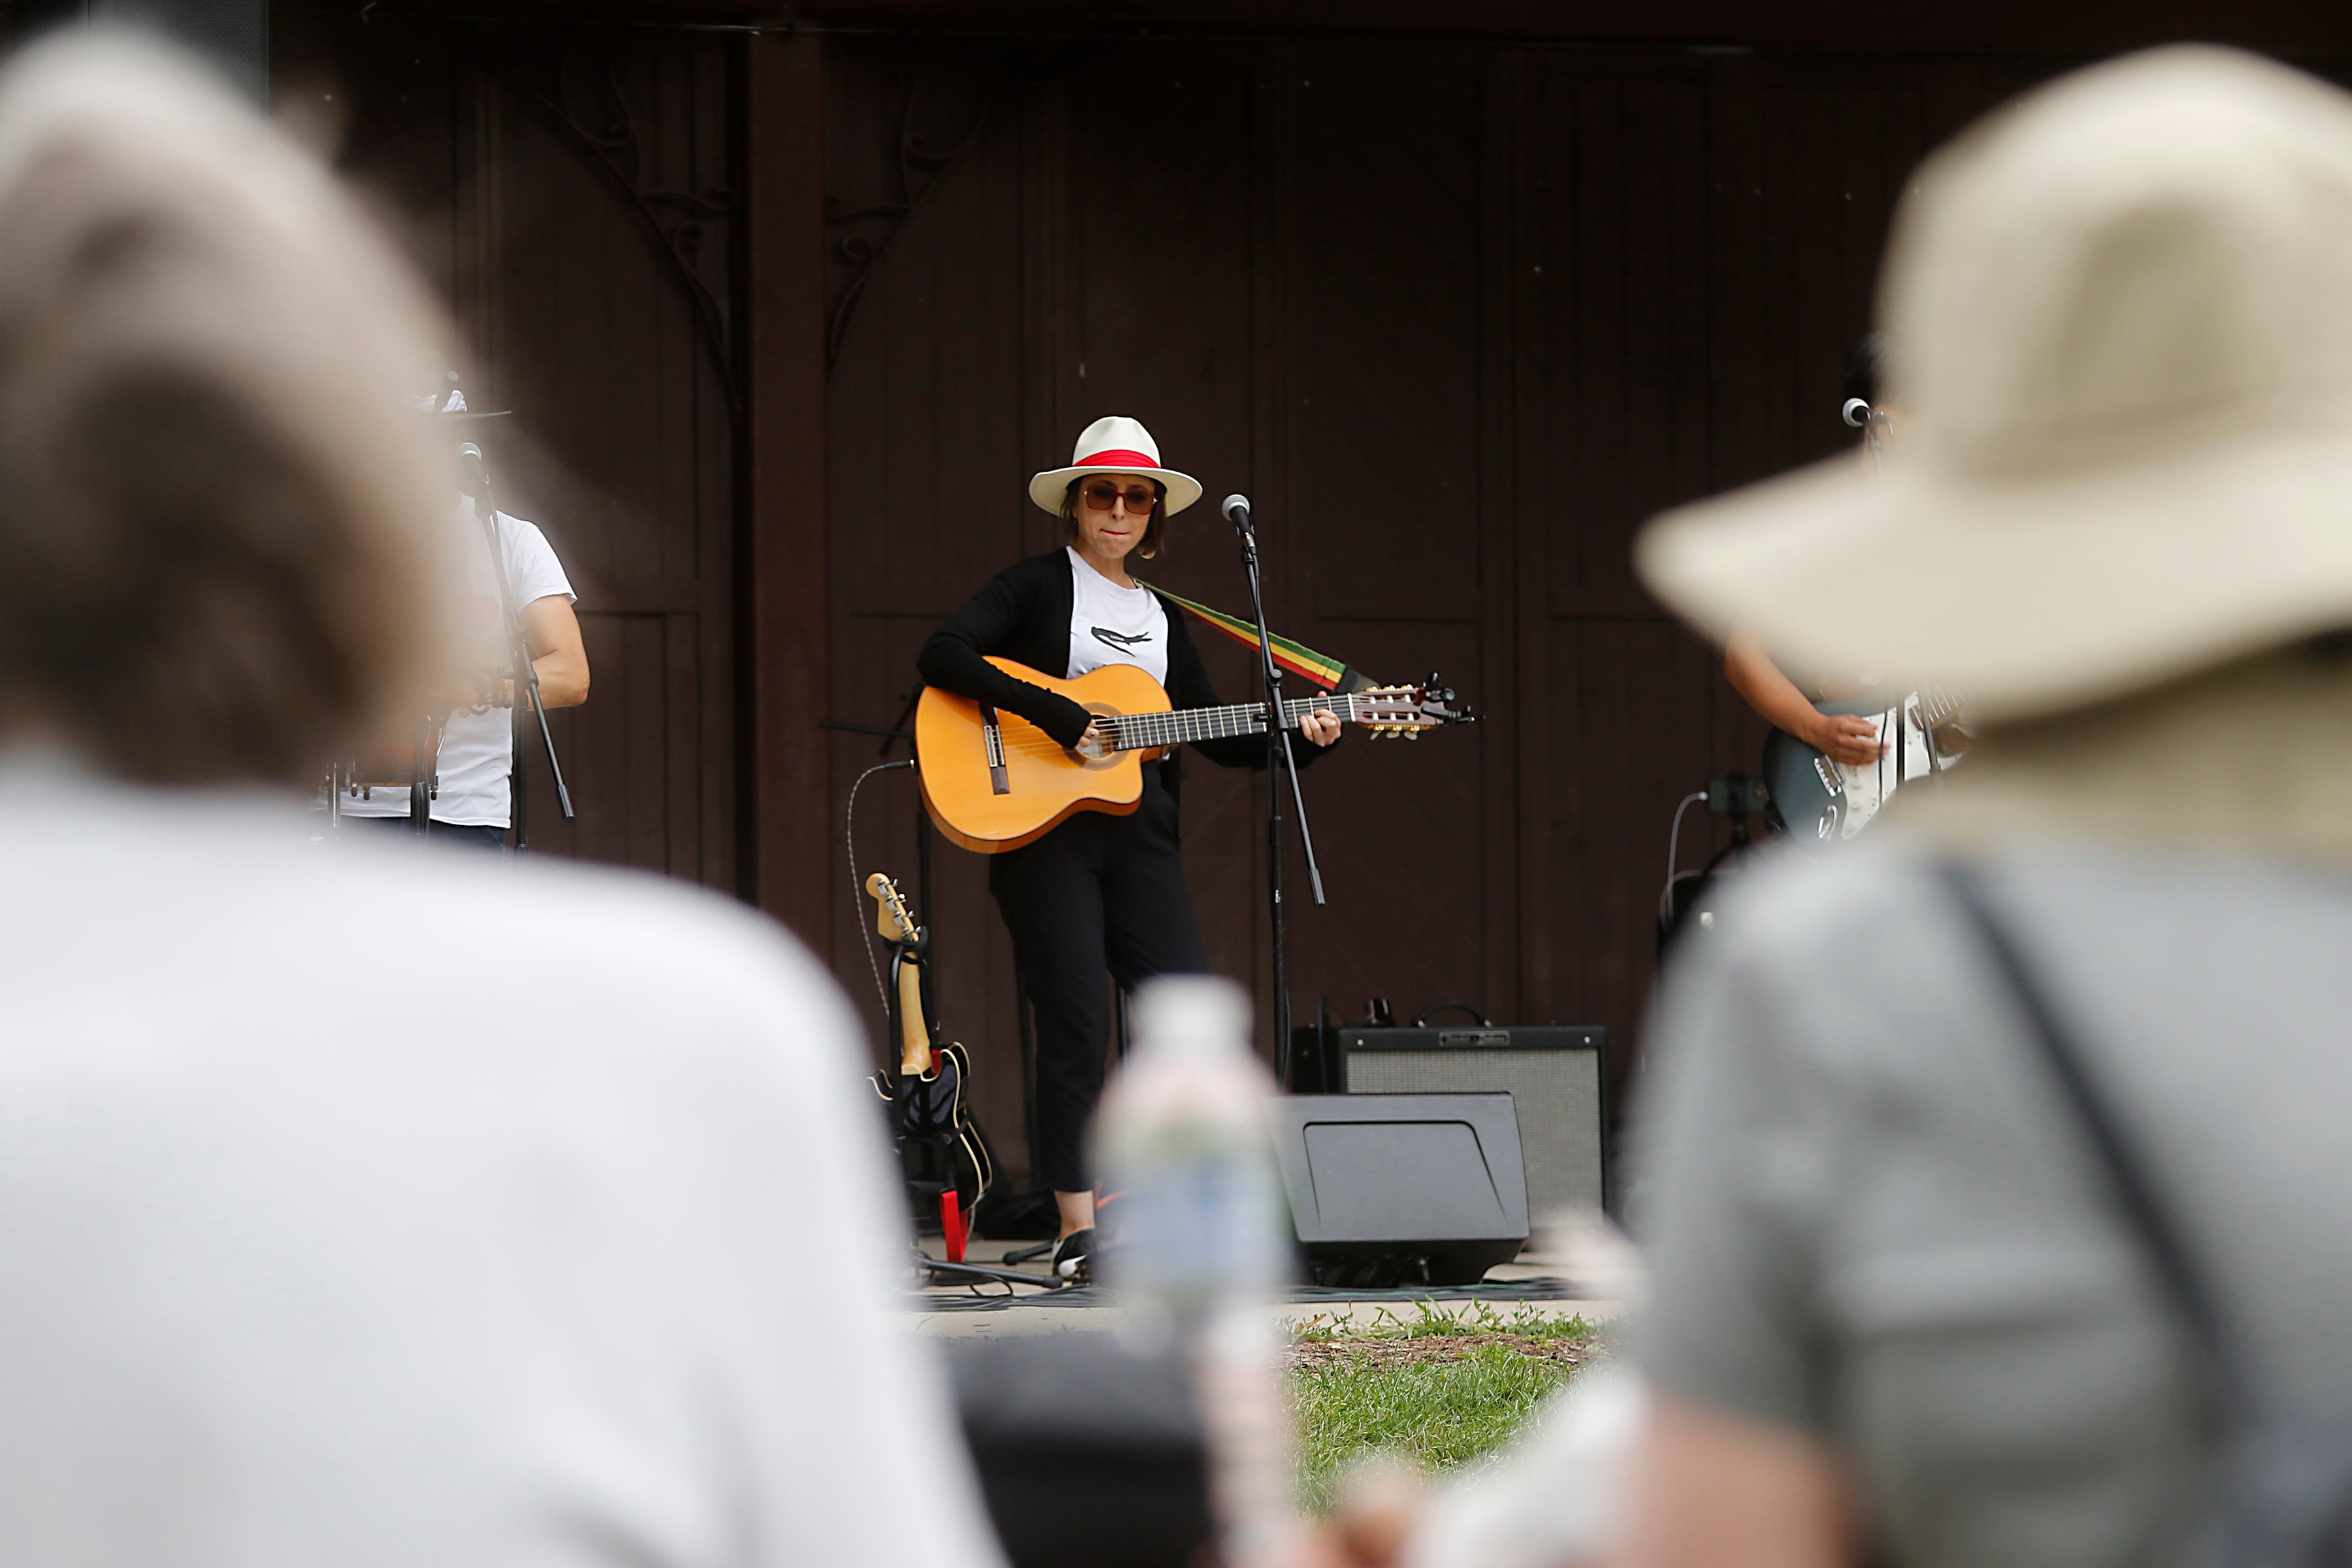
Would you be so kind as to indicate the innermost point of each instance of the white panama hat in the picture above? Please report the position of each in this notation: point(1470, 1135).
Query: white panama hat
point(1114, 445)
point(2118, 319)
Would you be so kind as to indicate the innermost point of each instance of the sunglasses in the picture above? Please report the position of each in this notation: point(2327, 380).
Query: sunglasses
point(1102, 495)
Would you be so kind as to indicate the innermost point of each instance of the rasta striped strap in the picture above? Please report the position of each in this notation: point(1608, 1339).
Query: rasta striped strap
point(1330, 674)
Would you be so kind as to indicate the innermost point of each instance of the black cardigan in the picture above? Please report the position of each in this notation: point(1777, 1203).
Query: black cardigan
point(1023, 613)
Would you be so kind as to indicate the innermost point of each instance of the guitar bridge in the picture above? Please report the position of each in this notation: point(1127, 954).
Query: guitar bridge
point(991, 732)
point(1826, 771)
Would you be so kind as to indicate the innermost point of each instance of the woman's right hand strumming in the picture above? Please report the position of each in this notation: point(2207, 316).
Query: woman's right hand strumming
point(1099, 741)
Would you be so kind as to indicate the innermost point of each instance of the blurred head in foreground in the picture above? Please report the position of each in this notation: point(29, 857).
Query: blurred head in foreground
point(211, 567)
point(1906, 1306)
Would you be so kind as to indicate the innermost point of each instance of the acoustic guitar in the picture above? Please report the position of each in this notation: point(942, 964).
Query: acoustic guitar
point(994, 782)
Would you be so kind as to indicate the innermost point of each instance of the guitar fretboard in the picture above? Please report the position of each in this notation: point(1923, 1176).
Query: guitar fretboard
point(1174, 728)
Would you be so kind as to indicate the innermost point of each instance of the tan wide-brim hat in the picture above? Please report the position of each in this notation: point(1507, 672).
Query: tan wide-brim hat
point(2118, 323)
point(1115, 444)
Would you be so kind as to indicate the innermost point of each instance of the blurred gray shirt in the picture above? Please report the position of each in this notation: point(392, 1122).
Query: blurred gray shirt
point(1872, 1219)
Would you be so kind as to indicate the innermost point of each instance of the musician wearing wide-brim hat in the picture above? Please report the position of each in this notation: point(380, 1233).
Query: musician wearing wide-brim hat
point(1100, 893)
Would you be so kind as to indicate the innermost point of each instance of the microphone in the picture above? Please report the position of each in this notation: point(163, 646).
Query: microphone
point(1869, 416)
point(1237, 511)
point(470, 477)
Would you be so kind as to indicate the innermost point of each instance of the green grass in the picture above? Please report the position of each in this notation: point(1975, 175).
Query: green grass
point(1437, 1411)
point(1431, 1320)
point(1436, 1415)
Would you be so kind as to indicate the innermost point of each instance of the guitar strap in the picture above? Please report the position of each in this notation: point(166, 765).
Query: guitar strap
point(1330, 674)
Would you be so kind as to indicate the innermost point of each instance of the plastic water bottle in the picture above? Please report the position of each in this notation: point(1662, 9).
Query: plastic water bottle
point(1202, 1238)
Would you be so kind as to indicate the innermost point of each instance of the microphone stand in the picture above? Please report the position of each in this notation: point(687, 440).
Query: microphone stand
point(526, 673)
point(1278, 750)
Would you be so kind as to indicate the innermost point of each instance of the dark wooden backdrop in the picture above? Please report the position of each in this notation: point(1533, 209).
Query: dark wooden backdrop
point(1458, 319)
point(787, 317)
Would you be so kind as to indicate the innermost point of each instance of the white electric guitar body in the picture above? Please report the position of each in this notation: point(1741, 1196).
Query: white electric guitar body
point(1822, 799)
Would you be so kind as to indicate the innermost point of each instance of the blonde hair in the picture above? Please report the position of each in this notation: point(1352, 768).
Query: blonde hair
point(215, 507)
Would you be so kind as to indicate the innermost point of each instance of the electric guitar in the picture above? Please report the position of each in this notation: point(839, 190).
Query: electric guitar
point(941, 1149)
point(993, 781)
point(1822, 799)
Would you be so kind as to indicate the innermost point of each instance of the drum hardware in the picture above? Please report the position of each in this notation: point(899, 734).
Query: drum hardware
point(416, 770)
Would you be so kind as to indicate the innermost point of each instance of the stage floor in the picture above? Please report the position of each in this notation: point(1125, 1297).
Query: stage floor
point(1539, 1281)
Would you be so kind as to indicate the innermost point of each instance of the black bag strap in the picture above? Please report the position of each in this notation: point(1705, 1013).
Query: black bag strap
point(2184, 1287)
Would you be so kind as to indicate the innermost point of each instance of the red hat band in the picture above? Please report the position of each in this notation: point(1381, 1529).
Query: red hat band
point(1118, 458)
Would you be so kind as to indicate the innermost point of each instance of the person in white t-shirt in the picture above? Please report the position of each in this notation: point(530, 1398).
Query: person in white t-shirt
point(323, 1238)
point(473, 802)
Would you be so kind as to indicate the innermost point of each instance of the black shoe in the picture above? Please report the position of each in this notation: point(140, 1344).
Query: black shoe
point(1074, 1257)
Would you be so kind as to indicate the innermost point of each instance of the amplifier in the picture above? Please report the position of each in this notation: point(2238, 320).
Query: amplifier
point(1557, 1077)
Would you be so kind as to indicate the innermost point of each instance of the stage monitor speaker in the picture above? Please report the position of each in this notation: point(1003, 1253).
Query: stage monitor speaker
point(1401, 1189)
point(1557, 1075)
point(233, 35)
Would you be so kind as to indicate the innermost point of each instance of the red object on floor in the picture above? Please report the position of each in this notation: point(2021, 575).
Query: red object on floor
point(951, 1225)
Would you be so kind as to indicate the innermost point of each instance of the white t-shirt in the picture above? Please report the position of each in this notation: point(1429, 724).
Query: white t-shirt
point(478, 743)
point(1111, 625)
point(328, 1242)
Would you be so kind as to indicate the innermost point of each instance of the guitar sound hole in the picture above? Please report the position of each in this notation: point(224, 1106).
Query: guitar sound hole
point(1109, 760)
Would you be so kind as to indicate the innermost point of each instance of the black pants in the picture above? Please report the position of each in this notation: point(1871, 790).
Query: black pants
point(1098, 896)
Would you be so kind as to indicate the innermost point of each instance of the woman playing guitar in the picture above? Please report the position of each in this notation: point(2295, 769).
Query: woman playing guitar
point(1099, 894)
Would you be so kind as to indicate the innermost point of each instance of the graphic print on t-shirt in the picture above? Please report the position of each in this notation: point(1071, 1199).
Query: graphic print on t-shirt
point(1111, 625)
